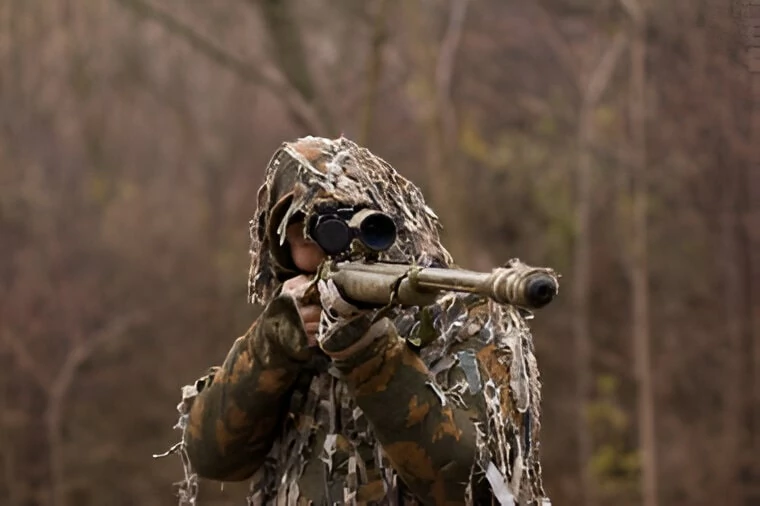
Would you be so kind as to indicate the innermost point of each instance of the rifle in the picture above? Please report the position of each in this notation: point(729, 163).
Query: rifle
point(382, 283)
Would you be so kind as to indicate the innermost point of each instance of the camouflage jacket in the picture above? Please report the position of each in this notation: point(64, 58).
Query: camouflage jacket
point(442, 408)
point(440, 405)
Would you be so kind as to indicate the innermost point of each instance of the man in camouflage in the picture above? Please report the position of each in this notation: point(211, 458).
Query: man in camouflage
point(324, 402)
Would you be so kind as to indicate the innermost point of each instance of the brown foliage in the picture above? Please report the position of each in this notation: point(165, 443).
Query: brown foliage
point(133, 136)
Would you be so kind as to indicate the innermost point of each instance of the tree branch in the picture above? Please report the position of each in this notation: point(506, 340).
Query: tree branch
point(599, 79)
point(553, 37)
point(634, 10)
point(259, 74)
point(27, 362)
point(291, 56)
point(444, 70)
point(449, 45)
point(60, 388)
point(374, 70)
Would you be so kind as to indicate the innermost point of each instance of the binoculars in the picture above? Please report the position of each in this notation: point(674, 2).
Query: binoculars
point(334, 231)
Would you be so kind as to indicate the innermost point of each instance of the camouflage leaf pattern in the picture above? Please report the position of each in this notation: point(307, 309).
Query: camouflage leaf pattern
point(442, 408)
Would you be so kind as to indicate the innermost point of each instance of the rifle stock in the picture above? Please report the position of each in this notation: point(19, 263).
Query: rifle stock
point(375, 283)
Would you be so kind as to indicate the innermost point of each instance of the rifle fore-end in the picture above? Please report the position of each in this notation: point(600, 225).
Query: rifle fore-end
point(375, 283)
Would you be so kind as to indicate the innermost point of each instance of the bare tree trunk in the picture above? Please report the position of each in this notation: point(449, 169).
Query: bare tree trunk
point(732, 427)
point(58, 392)
point(57, 388)
point(593, 89)
point(438, 120)
point(581, 313)
point(290, 55)
point(749, 246)
point(639, 256)
point(53, 425)
point(739, 477)
point(374, 70)
point(749, 478)
point(9, 481)
point(749, 447)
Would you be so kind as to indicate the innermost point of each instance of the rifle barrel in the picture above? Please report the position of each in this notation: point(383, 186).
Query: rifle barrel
point(517, 283)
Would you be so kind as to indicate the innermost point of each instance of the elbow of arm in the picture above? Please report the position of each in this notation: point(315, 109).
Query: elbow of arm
point(445, 482)
point(209, 463)
point(458, 465)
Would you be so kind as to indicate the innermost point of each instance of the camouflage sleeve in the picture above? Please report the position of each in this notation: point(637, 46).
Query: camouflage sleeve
point(430, 442)
point(231, 421)
point(431, 437)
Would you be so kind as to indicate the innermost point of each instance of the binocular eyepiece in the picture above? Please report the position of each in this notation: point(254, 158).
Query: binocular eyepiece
point(335, 231)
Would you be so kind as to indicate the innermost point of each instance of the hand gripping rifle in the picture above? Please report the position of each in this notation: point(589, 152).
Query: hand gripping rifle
point(384, 283)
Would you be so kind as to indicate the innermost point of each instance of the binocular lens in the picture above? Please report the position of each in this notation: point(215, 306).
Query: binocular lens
point(378, 232)
point(332, 235)
point(375, 230)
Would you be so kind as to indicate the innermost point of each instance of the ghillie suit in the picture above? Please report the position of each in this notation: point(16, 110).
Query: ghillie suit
point(434, 405)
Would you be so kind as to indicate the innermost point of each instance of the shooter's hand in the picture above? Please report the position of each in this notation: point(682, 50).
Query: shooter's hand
point(352, 328)
point(333, 302)
point(310, 312)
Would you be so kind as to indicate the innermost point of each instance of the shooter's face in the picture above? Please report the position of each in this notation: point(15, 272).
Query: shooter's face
point(307, 255)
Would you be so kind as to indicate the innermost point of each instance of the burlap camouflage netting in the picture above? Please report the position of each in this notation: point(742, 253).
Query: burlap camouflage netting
point(322, 172)
point(477, 357)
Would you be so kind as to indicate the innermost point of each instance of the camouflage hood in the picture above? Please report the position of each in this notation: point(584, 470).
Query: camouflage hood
point(312, 173)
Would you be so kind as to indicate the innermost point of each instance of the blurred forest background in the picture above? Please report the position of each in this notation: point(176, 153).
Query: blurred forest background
point(609, 139)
